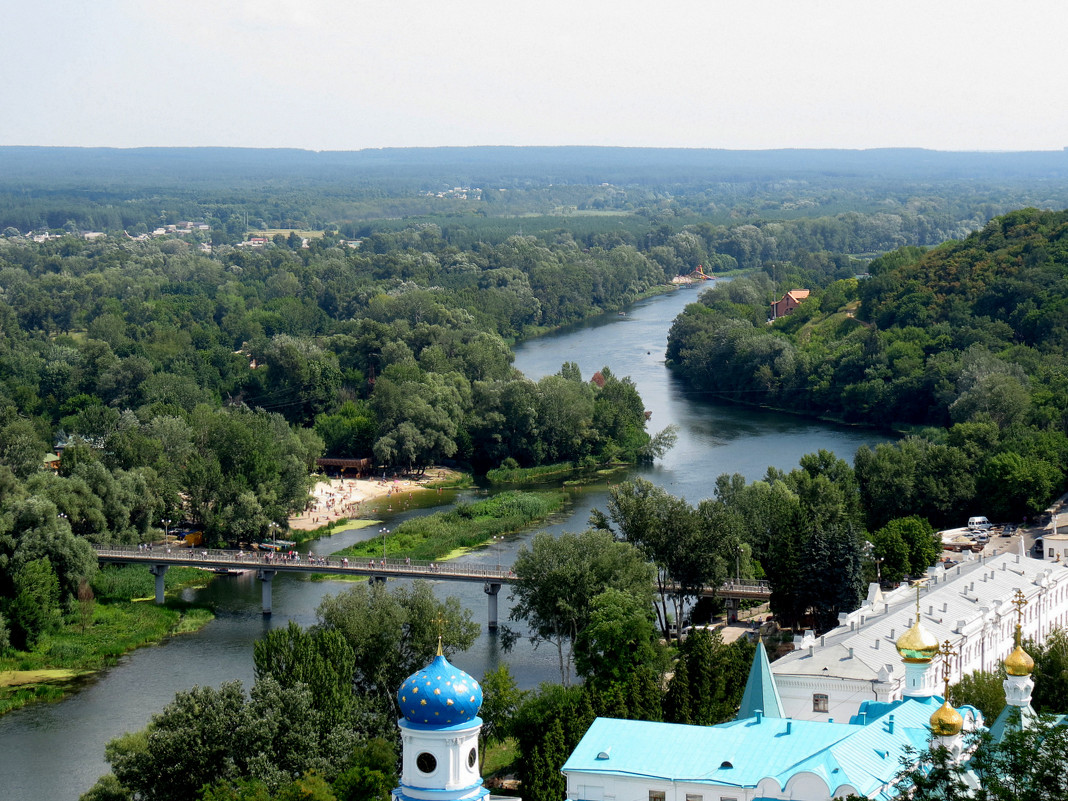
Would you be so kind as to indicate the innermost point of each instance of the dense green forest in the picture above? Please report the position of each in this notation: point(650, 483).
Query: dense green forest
point(969, 339)
point(203, 388)
point(191, 374)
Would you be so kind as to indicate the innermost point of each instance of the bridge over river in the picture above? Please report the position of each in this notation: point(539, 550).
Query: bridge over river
point(267, 564)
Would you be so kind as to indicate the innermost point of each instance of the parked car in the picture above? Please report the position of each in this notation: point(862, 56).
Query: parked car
point(979, 523)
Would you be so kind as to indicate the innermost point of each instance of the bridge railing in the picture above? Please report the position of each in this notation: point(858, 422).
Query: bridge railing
point(257, 559)
point(252, 560)
point(743, 585)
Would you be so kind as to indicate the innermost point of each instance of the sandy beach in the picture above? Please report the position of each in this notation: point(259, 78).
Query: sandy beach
point(335, 498)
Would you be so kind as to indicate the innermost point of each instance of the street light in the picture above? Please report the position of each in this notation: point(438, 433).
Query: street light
point(497, 541)
point(166, 530)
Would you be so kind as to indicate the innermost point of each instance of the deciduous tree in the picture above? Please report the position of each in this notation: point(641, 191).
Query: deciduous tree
point(394, 633)
point(560, 577)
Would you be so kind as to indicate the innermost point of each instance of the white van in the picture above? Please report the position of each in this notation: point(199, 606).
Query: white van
point(979, 523)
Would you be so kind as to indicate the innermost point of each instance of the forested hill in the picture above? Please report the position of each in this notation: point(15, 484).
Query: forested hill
point(972, 330)
point(1014, 273)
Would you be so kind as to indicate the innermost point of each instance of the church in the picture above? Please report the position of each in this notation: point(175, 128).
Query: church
point(439, 734)
point(764, 756)
point(970, 604)
point(761, 755)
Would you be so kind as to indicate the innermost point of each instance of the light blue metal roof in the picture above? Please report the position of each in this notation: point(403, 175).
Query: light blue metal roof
point(742, 752)
point(1014, 718)
point(760, 694)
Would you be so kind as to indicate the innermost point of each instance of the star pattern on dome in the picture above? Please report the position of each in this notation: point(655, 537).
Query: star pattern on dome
point(439, 694)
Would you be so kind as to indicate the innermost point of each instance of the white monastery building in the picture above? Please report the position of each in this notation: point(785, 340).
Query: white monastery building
point(828, 677)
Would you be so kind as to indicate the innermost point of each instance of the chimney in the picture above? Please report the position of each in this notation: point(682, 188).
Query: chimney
point(891, 721)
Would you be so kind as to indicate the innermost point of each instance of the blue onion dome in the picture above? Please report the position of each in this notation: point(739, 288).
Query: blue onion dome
point(439, 695)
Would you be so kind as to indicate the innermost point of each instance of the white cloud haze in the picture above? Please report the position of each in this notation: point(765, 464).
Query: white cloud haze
point(330, 74)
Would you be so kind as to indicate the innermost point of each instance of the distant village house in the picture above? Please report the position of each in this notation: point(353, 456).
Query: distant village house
point(790, 301)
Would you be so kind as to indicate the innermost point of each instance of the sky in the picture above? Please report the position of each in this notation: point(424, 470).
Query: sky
point(350, 74)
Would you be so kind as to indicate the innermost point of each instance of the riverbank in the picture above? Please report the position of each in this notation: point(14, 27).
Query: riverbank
point(713, 439)
point(447, 535)
point(62, 662)
point(120, 619)
point(337, 499)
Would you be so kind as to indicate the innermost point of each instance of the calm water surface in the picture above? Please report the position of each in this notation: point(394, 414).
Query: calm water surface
point(56, 752)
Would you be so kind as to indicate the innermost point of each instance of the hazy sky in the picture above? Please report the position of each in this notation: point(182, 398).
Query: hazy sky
point(349, 74)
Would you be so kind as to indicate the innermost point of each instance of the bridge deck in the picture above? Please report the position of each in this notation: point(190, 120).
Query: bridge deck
point(269, 560)
point(388, 568)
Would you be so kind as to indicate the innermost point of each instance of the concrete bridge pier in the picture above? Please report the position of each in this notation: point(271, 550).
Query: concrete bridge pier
point(492, 589)
point(378, 579)
point(733, 606)
point(266, 576)
point(158, 571)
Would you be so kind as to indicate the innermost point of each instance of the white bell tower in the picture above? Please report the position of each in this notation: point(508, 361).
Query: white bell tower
point(439, 733)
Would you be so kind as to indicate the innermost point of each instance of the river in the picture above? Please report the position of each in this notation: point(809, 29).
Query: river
point(56, 751)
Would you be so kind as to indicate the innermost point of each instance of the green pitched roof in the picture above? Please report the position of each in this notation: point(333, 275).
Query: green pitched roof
point(760, 690)
point(1012, 718)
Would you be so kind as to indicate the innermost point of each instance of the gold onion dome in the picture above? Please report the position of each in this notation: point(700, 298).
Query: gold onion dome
point(1019, 662)
point(917, 645)
point(946, 721)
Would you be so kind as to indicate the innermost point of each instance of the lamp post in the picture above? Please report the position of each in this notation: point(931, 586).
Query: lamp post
point(497, 541)
point(166, 530)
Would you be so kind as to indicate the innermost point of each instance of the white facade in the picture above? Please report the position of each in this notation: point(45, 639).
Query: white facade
point(1055, 548)
point(969, 605)
point(642, 788)
point(438, 765)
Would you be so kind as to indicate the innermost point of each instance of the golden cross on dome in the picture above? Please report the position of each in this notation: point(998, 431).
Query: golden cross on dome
point(441, 629)
point(1019, 601)
point(918, 584)
point(946, 651)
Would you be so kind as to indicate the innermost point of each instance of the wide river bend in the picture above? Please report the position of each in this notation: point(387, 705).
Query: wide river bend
point(56, 752)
